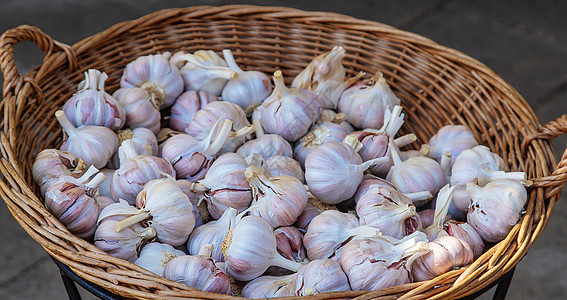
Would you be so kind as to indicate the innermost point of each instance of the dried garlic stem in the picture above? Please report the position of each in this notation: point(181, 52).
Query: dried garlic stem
point(139, 217)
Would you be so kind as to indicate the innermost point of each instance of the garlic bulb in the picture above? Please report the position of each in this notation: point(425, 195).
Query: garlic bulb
point(141, 108)
point(267, 145)
point(365, 104)
point(212, 233)
point(155, 74)
point(185, 107)
point(198, 271)
point(466, 233)
point(165, 207)
point(442, 204)
point(91, 105)
point(204, 70)
point(446, 253)
point(144, 140)
point(320, 276)
point(225, 185)
point(416, 174)
point(329, 115)
point(245, 257)
point(388, 210)
point(51, 164)
point(325, 75)
point(289, 243)
point(154, 256)
point(289, 112)
point(376, 263)
point(270, 286)
point(496, 208)
point(199, 207)
point(248, 89)
point(93, 144)
point(72, 201)
point(317, 135)
point(279, 200)
point(313, 208)
point(334, 170)
point(283, 165)
point(369, 179)
point(192, 158)
point(330, 231)
point(135, 171)
point(452, 138)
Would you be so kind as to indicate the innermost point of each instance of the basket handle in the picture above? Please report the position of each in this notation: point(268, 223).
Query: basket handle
point(13, 79)
point(557, 179)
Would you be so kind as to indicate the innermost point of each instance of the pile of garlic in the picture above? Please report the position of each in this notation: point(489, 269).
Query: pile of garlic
point(286, 191)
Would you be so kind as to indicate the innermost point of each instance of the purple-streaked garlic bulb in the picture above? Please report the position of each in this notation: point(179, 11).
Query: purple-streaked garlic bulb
point(329, 115)
point(452, 138)
point(465, 232)
point(381, 262)
point(93, 144)
point(141, 108)
point(313, 208)
point(334, 170)
point(446, 252)
point(125, 243)
point(225, 185)
point(326, 76)
point(199, 207)
point(330, 231)
point(190, 157)
point(388, 210)
point(442, 204)
point(496, 207)
point(289, 243)
point(198, 271)
point(91, 105)
point(288, 112)
point(248, 89)
point(318, 135)
point(204, 70)
point(154, 256)
point(365, 104)
point(51, 164)
point(369, 179)
point(269, 287)
point(416, 174)
point(155, 74)
point(279, 200)
point(427, 215)
point(213, 233)
point(163, 205)
point(135, 171)
point(283, 165)
point(267, 145)
point(185, 107)
point(320, 276)
point(144, 140)
point(250, 248)
point(205, 119)
point(72, 202)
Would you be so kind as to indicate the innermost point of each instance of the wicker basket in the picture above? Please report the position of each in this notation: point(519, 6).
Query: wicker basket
point(437, 85)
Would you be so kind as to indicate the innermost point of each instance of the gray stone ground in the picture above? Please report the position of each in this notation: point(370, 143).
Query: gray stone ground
point(525, 42)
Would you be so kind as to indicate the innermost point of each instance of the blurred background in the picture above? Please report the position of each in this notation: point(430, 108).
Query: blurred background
point(525, 42)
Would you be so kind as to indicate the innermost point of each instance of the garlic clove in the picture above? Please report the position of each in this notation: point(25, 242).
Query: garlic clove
point(123, 244)
point(466, 233)
point(289, 243)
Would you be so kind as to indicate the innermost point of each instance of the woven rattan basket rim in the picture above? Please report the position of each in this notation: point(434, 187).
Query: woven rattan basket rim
point(128, 280)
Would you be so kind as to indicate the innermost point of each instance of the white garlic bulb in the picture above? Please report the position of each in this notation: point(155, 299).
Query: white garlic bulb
point(204, 70)
point(365, 103)
point(154, 256)
point(446, 252)
point(329, 115)
point(388, 210)
point(313, 208)
point(466, 233)
point(267, 145)
point(334, 170)
point(288, 112)
point(496, 208)
point(452, 138)
point(212, 233)
point(320, 276)
point(144, 140)
point(248, 89)
point(282, 165)
point(141, 108)
point(328, 233)
point(93, 144)
point(185, 107)
point(317, 135)
point(91, 105)
point(270, 286)
point(51, 164)
point(279, 200)
point(245, 257)
point(155, 74)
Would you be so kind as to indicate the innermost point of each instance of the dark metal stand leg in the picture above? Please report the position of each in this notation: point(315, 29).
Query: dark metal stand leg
point(70, 287)
point(504, 285)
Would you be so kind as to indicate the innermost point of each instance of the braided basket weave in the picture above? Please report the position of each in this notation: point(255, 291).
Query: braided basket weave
point(437, 85)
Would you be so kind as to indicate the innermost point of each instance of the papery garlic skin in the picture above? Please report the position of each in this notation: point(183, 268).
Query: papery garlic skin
point(282, 165)
point(198, 271)
point(154, 256)
point(269, 286)
point(144, 141)
point(51, 164)
point(204, 70)
point(212, 233)
point(452, 138)
point(267, 145)
point(91, 105)
point(289, 243)
point(317, 135)
point(157, 75)
point(320, 276)
point(185, 107)
point(446, 252)
point(365, 104)
point(466, 233)
point(496, 208)
point(199, 207)
point(329, 115)
point(141, 108)
point(104, 201)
